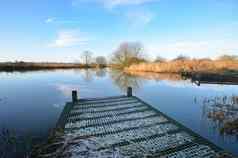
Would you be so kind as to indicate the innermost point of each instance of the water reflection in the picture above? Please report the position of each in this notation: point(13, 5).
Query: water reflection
point(66, 89)
point(121, 79)
point(3, 100)
point(124, 80)
point(37, 112)
point(87, 74)
point(222, 110)
point(136, 80)
point(101, 72)
point(156, 76)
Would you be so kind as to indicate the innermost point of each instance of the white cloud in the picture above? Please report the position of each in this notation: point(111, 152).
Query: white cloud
point(113, 3)
point(61, 21)
point(134, 16)
point(116, 3)
point(139, 17)
point(49, 20)
point(66, 89)
point(69, 38)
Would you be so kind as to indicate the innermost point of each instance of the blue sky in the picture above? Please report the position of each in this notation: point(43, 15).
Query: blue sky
point(59, 30)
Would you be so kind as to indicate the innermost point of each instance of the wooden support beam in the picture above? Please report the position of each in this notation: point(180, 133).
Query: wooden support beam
point(129, 92)
point(74, 96)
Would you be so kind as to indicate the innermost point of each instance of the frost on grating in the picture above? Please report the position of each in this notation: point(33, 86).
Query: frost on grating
point(89, 148)
point(117, 126)
point(73, 147)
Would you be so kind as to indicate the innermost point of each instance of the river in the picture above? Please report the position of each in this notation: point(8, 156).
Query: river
point(31, 102)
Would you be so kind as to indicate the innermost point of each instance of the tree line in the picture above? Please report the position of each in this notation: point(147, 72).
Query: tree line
point(129, 53)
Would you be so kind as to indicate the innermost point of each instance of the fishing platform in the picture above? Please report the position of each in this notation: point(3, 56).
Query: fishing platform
point(129, 127)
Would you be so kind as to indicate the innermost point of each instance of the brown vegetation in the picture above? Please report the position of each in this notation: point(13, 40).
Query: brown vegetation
point(26, 66)
point(193, 65)
point(156, 76)
point(219, 115)
point(230, 127)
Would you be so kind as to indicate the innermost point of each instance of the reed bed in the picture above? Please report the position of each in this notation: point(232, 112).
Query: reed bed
point(195, 65)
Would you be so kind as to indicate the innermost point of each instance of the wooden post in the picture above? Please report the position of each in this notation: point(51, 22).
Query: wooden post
point(74, 96)
point(129, 92)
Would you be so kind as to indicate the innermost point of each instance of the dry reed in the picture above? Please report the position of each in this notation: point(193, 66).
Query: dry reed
point(195, 65)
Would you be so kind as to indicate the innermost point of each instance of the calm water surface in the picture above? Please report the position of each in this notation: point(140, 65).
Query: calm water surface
point(31, 102)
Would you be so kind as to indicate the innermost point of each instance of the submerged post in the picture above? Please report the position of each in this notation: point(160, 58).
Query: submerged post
point(74, 96)
point(129, 92)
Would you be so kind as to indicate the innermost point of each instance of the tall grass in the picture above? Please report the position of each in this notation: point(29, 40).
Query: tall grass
point(194, 65)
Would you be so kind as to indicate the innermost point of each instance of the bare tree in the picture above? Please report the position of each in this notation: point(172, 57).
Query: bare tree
point(159, 59)
point(101, 61)
point(181, 57)
point(87, 57)
point(128, 53)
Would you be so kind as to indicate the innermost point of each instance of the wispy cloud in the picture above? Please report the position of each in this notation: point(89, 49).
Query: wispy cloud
point(136, 16)
point(116, 3)
point(69, 38)
point(113, 3)
point(66, 89)
point(139, 17)
point(60, 21)
point(49, 20)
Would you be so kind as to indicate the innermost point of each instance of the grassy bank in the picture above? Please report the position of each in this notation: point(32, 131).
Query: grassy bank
point(203, 66)
point(27, 66)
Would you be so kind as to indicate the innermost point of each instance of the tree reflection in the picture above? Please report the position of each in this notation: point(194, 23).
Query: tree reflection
point(155, 76)
point(101, 72)
point(223, 112)
point(87, 74)
point(123, 80)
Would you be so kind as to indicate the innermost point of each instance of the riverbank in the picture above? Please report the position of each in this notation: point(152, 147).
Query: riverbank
point(156, 76)
point(28, 66)
point(199, 66)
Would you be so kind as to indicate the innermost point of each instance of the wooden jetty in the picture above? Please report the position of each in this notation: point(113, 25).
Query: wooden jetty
point(124, 126)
